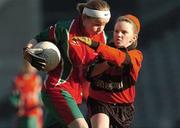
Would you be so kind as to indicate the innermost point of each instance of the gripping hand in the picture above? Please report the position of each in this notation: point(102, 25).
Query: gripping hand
point(83, 39)
point(31, 55)
point(94, 45)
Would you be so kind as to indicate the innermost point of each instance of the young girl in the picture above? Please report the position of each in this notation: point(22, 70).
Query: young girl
point(26, 97)
point(62, 89)
point(113, 76)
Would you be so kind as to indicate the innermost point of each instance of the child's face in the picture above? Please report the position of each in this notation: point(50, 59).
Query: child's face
point(124, 34)
point(94, 26)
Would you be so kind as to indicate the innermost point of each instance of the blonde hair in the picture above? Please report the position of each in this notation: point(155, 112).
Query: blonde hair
point(136, 25)
point(100, 5)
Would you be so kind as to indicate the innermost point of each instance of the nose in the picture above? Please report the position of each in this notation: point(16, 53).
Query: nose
point(119, 34)
point(100, 28)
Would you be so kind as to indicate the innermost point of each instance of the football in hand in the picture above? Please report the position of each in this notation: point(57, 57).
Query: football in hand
point(51, 53)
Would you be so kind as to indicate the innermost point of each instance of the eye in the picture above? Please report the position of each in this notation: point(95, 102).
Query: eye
point(124, 32)
point(116, 31)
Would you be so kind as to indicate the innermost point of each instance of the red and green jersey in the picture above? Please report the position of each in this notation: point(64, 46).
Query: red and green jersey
point(26, 92)
point(68, 75)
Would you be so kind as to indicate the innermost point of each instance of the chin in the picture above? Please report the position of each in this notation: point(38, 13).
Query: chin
point(118, 44)
point(93, 33)
point(97, 33)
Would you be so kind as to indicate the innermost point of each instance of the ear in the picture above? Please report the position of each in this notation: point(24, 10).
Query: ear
point(83, 17)
point(135, 37)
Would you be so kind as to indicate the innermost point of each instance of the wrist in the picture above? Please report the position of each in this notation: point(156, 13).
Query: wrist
point(110, 64)
point(94, 45)
point(32, 43)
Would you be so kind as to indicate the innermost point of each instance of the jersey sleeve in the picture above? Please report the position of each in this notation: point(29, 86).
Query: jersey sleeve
point(111, 54)
point(136, 61)
point(43, 35)
point(119, 57)
point(55, 33)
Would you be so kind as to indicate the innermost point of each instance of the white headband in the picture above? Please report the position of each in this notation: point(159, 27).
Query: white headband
point(97, 13)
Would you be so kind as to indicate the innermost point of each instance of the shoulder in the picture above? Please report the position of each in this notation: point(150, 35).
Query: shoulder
point(136, 54)
point(18, 76)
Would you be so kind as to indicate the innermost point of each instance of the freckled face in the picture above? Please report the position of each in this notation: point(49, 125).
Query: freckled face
point(123, 34)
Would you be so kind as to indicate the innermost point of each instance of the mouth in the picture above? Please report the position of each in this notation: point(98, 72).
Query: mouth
point(118, 40)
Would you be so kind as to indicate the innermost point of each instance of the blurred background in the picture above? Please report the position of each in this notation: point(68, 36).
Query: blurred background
point(157, 98)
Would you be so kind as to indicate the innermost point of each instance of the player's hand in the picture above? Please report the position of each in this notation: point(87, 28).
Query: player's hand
point(36, 61)
point(83, 39)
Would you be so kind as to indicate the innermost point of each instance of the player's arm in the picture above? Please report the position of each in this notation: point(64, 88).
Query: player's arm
point(55, 33)
point(108, 53)
point(122, 57)
point(99, 68)
point(31, 55)
point(31, 43)
point(112, 55)
point(15, 95)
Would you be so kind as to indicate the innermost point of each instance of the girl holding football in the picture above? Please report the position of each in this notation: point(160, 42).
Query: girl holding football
point(62, 90)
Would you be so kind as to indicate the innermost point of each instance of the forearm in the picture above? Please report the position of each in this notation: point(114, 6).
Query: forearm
point(110, 54)
point(31, 43)
point(99, 68)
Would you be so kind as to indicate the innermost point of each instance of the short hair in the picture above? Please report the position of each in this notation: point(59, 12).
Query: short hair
point(135, 22)
point(132, 19)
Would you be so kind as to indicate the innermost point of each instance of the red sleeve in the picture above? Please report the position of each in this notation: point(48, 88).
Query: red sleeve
point(90, 55)
point(136, 60)
point(117, 57)
point(111, 54)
